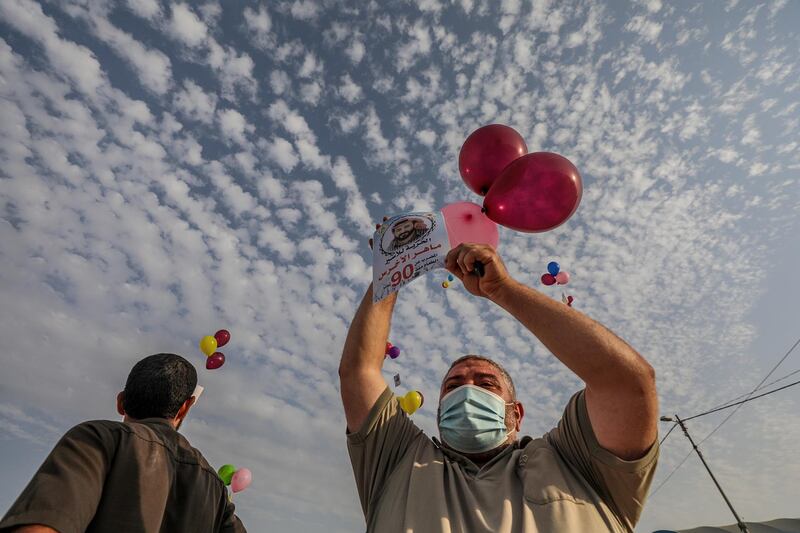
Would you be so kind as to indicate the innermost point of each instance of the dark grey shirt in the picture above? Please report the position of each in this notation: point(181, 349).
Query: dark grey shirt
point(126, 477)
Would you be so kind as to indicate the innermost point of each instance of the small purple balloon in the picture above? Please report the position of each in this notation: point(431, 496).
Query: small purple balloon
point(216, 360)
point(394, 352)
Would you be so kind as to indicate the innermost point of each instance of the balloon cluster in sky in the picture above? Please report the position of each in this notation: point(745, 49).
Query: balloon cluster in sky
point(555, 275)
point(392, 351)
point(238, 479)
point(525, 192)
point(209, 345)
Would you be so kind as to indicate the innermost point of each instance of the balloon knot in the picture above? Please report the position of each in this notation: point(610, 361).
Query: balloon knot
point(483, 209)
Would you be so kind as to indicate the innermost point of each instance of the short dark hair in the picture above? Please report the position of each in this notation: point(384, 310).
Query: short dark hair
point(498, 366)
point(158, 385)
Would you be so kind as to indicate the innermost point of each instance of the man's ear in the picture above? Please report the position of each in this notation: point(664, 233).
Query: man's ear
point(120, 405)
point(520, 413)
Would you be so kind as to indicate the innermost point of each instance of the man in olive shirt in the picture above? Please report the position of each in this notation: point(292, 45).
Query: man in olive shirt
point(139, 475)
point(590, 474)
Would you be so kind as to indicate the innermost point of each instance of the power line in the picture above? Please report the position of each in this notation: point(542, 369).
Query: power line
point(667, 435)
point(774, 368)
point(790, 374)
point(702, 414)
point(739, 404)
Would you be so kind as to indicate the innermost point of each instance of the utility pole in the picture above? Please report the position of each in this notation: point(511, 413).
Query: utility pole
point(742, 525)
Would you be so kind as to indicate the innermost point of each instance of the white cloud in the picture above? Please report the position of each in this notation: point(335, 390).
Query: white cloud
point(647, 29)
point(233, 125)
point(148, 9)
point(349, 90)
point(418, 44)
point(426, 137)
point(304, 9)
point(195, 103)
point(356, 51)
point(186, 26)
point(153, 66)
point(281, 151)
point(259, 23)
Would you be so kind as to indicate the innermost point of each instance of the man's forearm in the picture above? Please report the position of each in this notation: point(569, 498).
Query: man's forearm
point(595, 354)
point(365, 345)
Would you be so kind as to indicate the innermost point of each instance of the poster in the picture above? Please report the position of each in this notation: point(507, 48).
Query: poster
point(405, 247)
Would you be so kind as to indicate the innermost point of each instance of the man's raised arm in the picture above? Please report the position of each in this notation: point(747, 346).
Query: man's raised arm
point(620, 385)
point(362, 358)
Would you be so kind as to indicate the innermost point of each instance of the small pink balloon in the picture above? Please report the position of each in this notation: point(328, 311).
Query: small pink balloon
point(536, 192)
point(216, 360)
point(466, 223)
point(562, 278)
point(241, 480)
point(548, 279)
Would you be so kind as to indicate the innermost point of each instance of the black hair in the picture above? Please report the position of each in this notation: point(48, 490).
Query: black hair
point(158, 385)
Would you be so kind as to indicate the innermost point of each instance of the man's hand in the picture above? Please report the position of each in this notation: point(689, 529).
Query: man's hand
point(460, 261)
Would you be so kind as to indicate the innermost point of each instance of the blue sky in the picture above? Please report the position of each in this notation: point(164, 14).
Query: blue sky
point(172, 169)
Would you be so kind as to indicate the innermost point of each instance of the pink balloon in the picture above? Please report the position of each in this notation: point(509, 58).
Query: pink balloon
point(562, 278)
point(466, 223)
point(535, 193)
point(241, 480)
point(215, 360)
point(548, 279)
point(486, 152)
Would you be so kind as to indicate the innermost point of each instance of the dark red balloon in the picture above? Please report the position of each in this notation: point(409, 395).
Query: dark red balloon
point(548, 279)
point(486, 152)
point(536, 192)
point(222, 336)
point(215, 360)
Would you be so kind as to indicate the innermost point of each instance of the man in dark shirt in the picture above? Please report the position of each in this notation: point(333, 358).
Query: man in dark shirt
point(139, 475)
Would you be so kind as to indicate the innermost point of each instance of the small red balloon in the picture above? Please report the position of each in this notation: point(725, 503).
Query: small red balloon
point(222, 336)
point(486, 152)
point(535, 193)
point(216, 360)
point(548, 279)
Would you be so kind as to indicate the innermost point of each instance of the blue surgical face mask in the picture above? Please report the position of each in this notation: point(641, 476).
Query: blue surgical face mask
point(472, 419)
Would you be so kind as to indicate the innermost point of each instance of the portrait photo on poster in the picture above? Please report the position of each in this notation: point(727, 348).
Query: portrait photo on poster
point(408, 245)
point(404, 231)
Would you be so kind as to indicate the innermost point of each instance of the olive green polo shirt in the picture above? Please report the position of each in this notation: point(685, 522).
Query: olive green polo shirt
point(563, 481)
point(141, 477)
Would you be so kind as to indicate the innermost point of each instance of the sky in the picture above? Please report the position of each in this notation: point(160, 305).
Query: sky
point(170, 169)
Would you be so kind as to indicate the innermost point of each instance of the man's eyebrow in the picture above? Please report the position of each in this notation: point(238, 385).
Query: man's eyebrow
point(483, 375)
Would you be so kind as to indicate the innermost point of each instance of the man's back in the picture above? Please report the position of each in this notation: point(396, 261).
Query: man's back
point(111, 476)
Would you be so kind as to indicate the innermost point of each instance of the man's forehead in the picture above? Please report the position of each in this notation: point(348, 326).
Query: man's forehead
point(472, 366)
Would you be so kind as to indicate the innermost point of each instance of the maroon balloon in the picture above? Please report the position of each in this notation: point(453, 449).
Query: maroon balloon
point(394, 352)
point(535, 193)
point(486, 152)
point(548, 279)
point(222, 336)
point(216, 360)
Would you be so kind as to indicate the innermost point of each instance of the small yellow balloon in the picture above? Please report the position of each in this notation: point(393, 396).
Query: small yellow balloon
point(445, 284)
point(412, 401)
point(208, 345)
